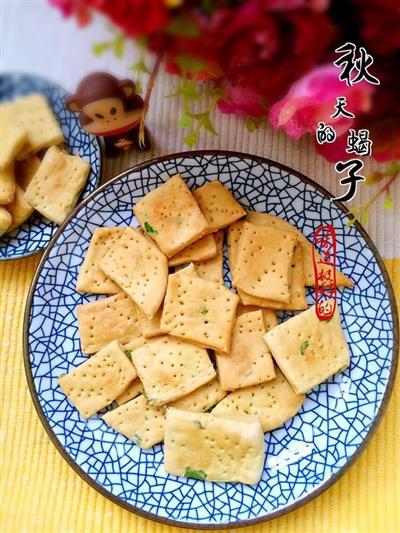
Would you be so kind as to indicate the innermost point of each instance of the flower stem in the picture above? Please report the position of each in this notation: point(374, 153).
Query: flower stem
point(149, 89)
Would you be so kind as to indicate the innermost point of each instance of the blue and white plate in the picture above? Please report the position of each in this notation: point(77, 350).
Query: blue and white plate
point(304, 456)
point(36, 233)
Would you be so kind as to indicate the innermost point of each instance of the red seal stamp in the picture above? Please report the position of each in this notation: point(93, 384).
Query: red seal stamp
point(324, 240)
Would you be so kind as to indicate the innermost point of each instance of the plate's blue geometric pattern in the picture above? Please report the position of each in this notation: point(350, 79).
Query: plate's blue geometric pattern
point(37, 231)
point(301, 455)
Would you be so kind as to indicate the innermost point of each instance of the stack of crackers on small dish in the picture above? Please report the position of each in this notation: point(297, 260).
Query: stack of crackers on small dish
point(35, 172)
point(187, 360)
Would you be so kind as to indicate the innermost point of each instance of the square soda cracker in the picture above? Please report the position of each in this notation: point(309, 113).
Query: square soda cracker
point(33, 114)
point(263, 262)
point(171, 216)
point(13, 136)
point(218, 205)
point(201, 399)
point(91, 278)
point(19, 208)
point(212, 448)
point(266, 219)
point(134, 388)
point(234, 233)
point(297, 300)
point(151, 327)
point(99, 380)
point(308, 350)
point(105, 320)
point(188, 270)
point(139, 268)
point(249, 361)
point(26, 169)
point(204, 248)
point(211, 270)
point(273, 402)
point(138, 421)
point(199, 311)
point(269, 315)
point(170, 368)
point(7, 184)
point(133, 344)
point(57, 184)
point(5, 220)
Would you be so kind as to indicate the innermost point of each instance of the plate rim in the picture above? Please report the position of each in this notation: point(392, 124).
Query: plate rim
point(296, 504)
point(100, 145)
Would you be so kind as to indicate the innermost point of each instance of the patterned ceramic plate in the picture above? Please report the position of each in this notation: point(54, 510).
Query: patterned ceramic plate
point(304, 456)
point(37, 231)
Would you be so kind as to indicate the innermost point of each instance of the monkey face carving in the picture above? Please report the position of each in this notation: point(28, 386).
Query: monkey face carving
point(108, 115)
point(106, 106)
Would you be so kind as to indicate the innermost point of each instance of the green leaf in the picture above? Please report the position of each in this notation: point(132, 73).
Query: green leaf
point(142, 41)
point(207, 6)
point(214, 92)
point(191, 139)
point(388, 204)
point(137, 439)
point(250, 124)
point(364, 217)
point(205, 121)
point(392, 168)
point(140, 67)
point(149, 229)
point(187, 92)
point(182, 26)
point(99, 48)
point(207, 124)
point(203, 310)
point(128, 354)
point(184, 122)
point(350, 222)
point(304, 347)
point(190, 63)
point(139, 87)
point(118, 46)
point(195, 474)
point(198, 116)
point(253, 123)
point(373, 178)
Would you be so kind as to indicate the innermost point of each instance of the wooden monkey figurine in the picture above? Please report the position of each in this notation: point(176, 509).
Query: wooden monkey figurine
point(110, 108)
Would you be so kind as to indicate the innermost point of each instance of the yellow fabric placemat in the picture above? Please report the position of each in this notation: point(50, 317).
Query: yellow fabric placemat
point(42, 494)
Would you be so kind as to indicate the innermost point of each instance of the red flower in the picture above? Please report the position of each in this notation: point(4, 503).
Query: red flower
point(76, 8)
point(202, 45)
point(135, 17)
point(257, 48)
point(383, 120)
point(282, 5)
point(380, 20)
point(312, 99)
point(263, 52)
